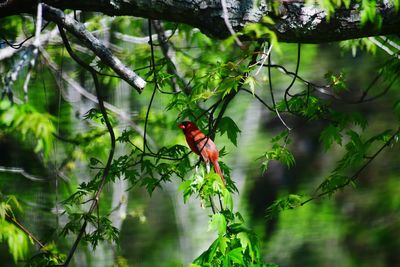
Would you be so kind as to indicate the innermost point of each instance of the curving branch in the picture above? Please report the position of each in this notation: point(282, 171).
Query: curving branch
point(94, 44)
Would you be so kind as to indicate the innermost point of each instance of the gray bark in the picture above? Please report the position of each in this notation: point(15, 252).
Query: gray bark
point(294, 23)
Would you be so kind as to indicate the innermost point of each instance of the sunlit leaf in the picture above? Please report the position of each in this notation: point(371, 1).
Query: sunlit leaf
point(236, 256)
point(218, 223)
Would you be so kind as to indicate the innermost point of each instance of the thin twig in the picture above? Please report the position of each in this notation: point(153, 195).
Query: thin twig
point(140, 40)
point(145, 145)
point(22, 172)
point(21, 43)
point(263, 58)
point(271, 90)
point(259, 99)
point(228, 23)
point(357, 173)
point(326, 89)
point(294, 76)
point(24, 229)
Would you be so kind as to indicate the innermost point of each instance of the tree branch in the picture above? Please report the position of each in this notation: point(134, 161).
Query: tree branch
point(356, 175)
point(296, 21)
point(94, 44)
point(22, 172)
point(24, 229)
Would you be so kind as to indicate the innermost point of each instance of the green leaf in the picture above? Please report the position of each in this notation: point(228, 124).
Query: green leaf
point(334, 182)
point(207, 256)
point(289, 202)
point(4, 210)
point(227, 199)
point(16, 239)
point(262, 31)
point(396, 5)
point(337, 81)
point(227, 125)
point(239, 216)
point(279, 153)
point(236, 256)
point(368, 14)
point(329, 135)
point(251, 81)
point(267, 20)
point(244, 240)
point(94, 162)
point(218, 223)
point(223, 244)
point(186, 187)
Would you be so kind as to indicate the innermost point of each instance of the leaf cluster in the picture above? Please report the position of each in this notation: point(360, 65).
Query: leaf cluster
point(29, 125)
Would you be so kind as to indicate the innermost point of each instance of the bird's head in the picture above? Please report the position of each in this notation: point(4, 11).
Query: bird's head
point(186, 125)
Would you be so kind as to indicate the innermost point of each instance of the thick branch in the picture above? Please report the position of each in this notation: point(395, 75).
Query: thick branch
point(295, 23)
point(77, 29)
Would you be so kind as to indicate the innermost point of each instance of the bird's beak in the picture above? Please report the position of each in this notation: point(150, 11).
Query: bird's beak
point(180, 125)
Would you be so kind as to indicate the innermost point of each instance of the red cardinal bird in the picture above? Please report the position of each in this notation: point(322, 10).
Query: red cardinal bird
point(202, 145)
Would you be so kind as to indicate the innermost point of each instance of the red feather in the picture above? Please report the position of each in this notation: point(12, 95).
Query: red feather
point(202, 145)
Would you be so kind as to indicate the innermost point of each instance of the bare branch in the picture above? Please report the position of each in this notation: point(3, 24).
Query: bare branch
point(390, 42)
point(25, 230)
point(22, 172)
point(94, 44)
point(228, 23)
point(384, 47)
point(139, 40)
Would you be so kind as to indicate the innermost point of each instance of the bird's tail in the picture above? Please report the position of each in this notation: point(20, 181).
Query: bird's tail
point(217, 169)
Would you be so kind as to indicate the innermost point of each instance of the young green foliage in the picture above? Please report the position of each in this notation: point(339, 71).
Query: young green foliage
point(17, 240)
point(27, 124)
